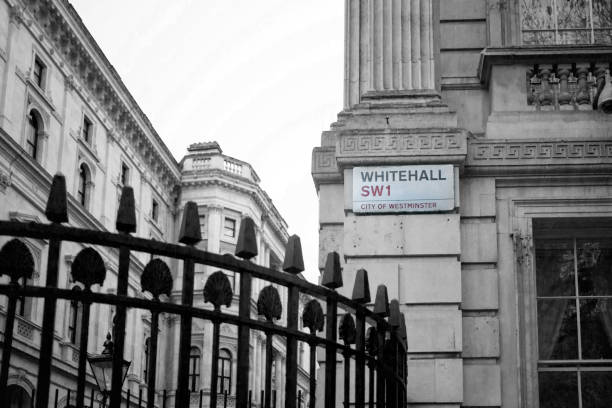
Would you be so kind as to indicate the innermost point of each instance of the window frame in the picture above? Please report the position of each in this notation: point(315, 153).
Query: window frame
point(223, 362)
point(155, 210)
point(194, 368)
point(232, 228)
point(124, 174)
point(33, 134)
point(39, 72)
point(87, 130)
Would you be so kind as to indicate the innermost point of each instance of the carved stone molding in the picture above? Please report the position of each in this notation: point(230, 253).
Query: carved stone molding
point(402, 144)
point(324, 160)
point(520, 152)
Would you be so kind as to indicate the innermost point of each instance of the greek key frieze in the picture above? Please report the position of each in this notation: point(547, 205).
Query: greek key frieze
point(400, 144)
point(511, 151)
point(324, 160)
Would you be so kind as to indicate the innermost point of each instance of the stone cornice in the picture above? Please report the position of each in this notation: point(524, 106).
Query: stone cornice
point(63, 29)
point(558, 156)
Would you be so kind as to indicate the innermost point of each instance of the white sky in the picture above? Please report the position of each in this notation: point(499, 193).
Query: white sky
point(261, 77)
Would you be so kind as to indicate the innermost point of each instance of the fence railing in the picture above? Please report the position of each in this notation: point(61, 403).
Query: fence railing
point(382, 350)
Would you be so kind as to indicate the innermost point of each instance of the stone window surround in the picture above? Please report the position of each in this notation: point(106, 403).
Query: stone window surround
point(524, 212)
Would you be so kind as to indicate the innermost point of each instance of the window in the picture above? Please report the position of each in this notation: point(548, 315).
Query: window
point(124, 176)
point(38, 73)
point(74, 320)
point(24, 303)
point(574, 316)
point(203, 225)
point(229, 227)
point(225, 371)
point(194, 369)
point(18, 397)
point(547, 22)
point(147, 351)
point(155, 211)
point(84, 182)
point(87, 130)
point(33, 135)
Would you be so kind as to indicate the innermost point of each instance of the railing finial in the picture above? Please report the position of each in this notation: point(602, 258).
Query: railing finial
point(294, 262)
point(332, 275)
point(381, 303)
point(402, 330)
point(394, 314)
point(126, 215)
point(190, 233)
point(246, 247)
point(57, 210)
point(361, 290)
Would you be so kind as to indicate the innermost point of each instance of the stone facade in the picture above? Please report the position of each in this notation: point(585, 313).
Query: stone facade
point(63, 108)
point(531, 155)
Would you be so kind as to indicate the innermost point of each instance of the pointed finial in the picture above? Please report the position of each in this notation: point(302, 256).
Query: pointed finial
point(246, 247)
point(332, 275)
point(381, 303)
point(361, 290)
point(294, 262)
point(57, 210)
point(394, 313)
point(126, 215)
point(190, 226)
point(402, 330)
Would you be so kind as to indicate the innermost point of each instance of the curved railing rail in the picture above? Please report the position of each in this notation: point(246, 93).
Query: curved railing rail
point(381, 354)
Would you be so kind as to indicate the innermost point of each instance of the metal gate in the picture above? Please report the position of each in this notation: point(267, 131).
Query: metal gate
point(372, 340)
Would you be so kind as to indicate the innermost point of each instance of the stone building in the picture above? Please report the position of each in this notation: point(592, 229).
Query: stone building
point(500, 252)
point(63, 108)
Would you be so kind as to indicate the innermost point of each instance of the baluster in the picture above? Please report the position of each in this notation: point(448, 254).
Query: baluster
point(381, 308)
point(361, 294)
point(57, 213)
point(564, 97)
point(347, 334)
point(126, 224)
point(16, 262)
point(217, 291)
point(157, 280)
point(246, 248)
point(293, 263)
point(583, 96)
point(332, 278)
point(189, 235)
point(313, 319)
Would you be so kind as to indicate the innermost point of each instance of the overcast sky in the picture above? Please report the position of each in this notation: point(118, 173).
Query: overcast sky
point(263, 78)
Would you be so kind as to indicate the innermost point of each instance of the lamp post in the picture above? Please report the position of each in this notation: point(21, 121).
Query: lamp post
point(102, 368)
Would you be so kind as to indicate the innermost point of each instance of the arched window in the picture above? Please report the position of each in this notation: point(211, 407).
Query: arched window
point(147, 352)
point(32, 135)
point(18, 397)
point(194, 369)
point(225, 371)
point(84, 179)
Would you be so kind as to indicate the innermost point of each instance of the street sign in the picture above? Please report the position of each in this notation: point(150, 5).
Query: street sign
point(421, 188)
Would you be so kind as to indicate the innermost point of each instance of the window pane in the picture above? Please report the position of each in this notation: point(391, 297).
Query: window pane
point(596, 328)
point(602, 13)
point(596, 389)
point(557, 330)
point(537, 14)
point(572, 13)
point(594, 257)
point(555, 268)
point(558, 389)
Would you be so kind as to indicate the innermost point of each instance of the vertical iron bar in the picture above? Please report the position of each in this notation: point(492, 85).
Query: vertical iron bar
point(389, 352)
point(8, 343)
point(244, 310)
point(250, 398)
point(371, 396)
point(268, 385)
point(82, 370)
point(152, 363)
point(380, 376)
point(91, 398)
point(274, 399)
point(262, 397)
point(119, 328)
point(299, 400)
point(360, 359)
point(164, 399)
point(331, 333)
point(214, 365)
point(139, 397)
point(48, 323)
point(312, 373)
point(201, 397)
point(224, 398)
point(347, 380)
point(293, 305)
point(129, 397)
point(182, 393)
point(56, 397)
point(32, 401)
point(68, 398)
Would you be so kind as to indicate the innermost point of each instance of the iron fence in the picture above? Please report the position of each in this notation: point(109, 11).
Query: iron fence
point(372, 339)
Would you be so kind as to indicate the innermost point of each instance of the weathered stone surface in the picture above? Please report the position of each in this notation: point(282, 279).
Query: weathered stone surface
point(477, 197)
point(478, 241)
point(383, 235)
point(462, 9)
point(480, 336)
point(435, 380)
point(481, 385)
point(479, 289)
point(330, 239)
point(418, 280)
point(331, 203)
point(433, 328)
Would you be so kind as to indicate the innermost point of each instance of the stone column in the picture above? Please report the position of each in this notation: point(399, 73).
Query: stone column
point(389, 48)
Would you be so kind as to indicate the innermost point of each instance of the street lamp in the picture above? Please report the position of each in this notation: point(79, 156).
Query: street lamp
point(102, 368)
